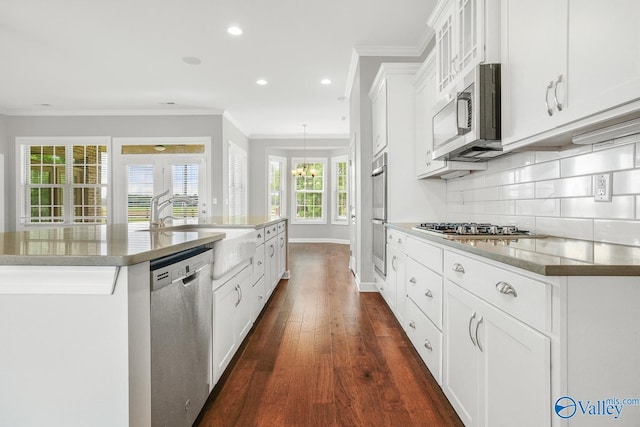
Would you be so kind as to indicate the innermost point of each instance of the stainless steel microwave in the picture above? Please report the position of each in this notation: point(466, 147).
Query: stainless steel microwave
point(466, 126)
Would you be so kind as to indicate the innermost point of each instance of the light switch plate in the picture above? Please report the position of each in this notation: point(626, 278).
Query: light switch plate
point(602, 187)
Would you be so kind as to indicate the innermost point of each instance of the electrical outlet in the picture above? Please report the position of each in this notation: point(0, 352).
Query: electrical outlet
point(602, 186)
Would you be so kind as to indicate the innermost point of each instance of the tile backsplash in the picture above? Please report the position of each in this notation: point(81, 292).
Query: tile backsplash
point(551, 192)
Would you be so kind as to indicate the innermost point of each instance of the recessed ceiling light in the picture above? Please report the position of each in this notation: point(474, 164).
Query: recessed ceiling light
point(261, 82)
point(43, 105)
point(325, 82)
point(191, 60)
point(168, 103)
point(342, 98)
point(234, 31)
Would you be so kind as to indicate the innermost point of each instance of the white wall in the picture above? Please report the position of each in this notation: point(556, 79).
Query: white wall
point(116, 126)
point(260, 149)
point(230, 133)
point(552, 193)
point(4, 184)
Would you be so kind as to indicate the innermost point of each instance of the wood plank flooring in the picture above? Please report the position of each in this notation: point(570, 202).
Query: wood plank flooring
point(323, 354)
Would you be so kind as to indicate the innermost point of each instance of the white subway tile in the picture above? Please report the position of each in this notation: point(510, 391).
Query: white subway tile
point(489, 193)
point(627, 182)
point(631, 139)
point(516, 191)
point(522, 222)
point(454, 196)
point(620, 232)
point(637, 207)
point(638, 155)
point(453, 208)
point(574, 228)
point(499, 178)
point(537, 207)
point(545, 156)
point(516, 160)
point(538, 172)
point(620, 207)
point(600, 161)
point(504, 207)
point(468, 196)
point(566, 187)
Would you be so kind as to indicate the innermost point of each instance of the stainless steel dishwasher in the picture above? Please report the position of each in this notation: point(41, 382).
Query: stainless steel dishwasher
point(180, 336)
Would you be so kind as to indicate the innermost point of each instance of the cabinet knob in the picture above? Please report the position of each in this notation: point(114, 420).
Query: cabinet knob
point(399, 241)
point(413, 280)
point(457, 267)
point(506, 288)
point(259, 297)
point(428, 294)
point(427, 345)
point(412, 324)
point(259, 262)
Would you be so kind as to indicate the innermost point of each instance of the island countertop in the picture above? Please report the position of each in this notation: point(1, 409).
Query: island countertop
point(548, 256)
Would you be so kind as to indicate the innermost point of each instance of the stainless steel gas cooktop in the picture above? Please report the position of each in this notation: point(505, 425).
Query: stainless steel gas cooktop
point(473, 230)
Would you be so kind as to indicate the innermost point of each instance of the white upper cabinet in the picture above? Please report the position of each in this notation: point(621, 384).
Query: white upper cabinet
point(426, 167)
point(467, 34)
point(379, 116)
point(580, 69)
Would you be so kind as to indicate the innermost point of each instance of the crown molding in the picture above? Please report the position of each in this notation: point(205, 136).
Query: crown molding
point(148, 112)
point(235, 123)
point(388, 50)
point(353, 68)
point(427, 35)
point(300, 137)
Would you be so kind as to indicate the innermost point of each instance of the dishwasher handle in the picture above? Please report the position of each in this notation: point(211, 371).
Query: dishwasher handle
point(187, 279)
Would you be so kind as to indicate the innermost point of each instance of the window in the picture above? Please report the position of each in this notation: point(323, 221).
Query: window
point(63, 180)
point(339, 190)
point(237, 180)
point(309, 201)
point(276, 186)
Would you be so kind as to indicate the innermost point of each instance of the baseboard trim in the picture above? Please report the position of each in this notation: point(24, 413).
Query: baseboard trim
point(364, 286)
point(318, 240)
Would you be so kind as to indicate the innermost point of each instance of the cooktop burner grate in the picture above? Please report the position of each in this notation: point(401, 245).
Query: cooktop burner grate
point(473, 230)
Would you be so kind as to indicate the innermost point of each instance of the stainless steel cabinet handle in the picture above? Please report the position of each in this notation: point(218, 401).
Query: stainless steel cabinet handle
point(392, 263)
point(259, 236)
point(259, 262)
point(273, 250)
point(399, 241)
point(428, 294)
point(555, 93)
point(238, 296)
point(412, 324)
point(240, 292)
point(506, 288)
point(390, 237)
point(427, 345)
point(458, 268)
point(477, 339)
point(259, 297)
point(412, 280)
point(546, 98)
point(470, 322)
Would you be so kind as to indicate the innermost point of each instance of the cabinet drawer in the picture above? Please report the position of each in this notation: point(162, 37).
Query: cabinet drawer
point(270, 231)
point(282, 226)
point(424, 287)
point(259, 236)
point(258, 264)
point(426, 339)
point(524, 298)
point(426, 254)
point(397, 240)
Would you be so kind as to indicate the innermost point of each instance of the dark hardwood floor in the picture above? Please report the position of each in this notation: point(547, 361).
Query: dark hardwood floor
point(323, 354)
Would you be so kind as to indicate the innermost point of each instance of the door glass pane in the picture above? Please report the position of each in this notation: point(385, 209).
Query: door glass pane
point(139, 192)
point(185, 183)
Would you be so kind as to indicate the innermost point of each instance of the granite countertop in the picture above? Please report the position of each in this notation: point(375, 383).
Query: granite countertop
point(548, 256)
point(114, 245)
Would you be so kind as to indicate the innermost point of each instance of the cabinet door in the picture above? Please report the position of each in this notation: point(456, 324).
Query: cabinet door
point(243, 316)
point(271, 266)
point(379, 117)
point(517, 377)
point(259, 299)
point(389, 289)
point(461, 379)
point(225, 300)
point(400, 266)
point(604, 59)
point(445, 48)
point(533, 57)
point(282, 253)
point(469, 50)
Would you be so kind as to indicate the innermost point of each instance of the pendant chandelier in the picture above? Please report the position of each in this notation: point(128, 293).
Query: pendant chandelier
point(306, 168)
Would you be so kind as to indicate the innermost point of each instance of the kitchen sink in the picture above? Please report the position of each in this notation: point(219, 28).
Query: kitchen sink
point(238, 246)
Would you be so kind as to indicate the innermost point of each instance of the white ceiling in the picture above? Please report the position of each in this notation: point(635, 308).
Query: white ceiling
point(125, 56)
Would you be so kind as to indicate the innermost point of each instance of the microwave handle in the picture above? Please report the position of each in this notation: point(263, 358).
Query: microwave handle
point(466, 98)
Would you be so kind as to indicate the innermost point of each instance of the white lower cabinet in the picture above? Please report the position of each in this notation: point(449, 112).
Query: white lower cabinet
point(282, 250)
point(232, 319)
point(426, 339)
point(270, 265)
point(394, 292)
point(496, 368)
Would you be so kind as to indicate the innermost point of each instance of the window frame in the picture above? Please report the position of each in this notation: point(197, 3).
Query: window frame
point(294, 204)
point(23, 144)
point(334, 189)
point(243, 155)
point(284, 172)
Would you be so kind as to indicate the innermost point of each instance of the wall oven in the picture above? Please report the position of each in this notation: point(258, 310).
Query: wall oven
point(379, 178)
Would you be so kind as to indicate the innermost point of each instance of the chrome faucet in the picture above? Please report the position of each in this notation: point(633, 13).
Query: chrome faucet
point(157, 207)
